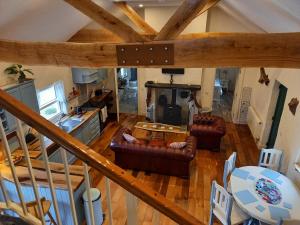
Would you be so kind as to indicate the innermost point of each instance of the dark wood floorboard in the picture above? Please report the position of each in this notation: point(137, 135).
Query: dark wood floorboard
point(191, 194)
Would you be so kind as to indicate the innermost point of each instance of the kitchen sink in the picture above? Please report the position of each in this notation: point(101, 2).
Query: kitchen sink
point(68, 124)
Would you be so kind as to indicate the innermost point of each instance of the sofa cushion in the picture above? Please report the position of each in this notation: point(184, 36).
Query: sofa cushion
point(177, 144)
point(129, 138)
point(204, 120)
point(157, 143)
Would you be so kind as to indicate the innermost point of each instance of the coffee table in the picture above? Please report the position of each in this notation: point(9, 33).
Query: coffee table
point(148, 131)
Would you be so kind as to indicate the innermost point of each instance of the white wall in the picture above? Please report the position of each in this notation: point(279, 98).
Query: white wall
point(40, 20)
point(157, 17)
point(43, 76)
point(263, 101)
point(217, 21)
point(191, 76)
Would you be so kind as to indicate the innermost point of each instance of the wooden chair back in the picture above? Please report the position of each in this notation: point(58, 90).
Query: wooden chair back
point(270, 158)
point(229, 166)
point(221, 201)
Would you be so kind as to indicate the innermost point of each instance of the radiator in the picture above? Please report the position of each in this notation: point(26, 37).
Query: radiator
point(254, 123)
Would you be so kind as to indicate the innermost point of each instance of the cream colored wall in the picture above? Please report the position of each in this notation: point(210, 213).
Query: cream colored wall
point(191, 76)
point(43, 76)
point(157, 17)
point(264, 100)
point(217, 21)
point(220, 21)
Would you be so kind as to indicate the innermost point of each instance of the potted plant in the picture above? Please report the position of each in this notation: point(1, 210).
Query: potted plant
point(17, 69)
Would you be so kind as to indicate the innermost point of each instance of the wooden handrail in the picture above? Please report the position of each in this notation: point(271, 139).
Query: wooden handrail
point(95, 160)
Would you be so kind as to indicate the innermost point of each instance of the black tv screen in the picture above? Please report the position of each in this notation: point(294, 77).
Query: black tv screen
point(173, 70)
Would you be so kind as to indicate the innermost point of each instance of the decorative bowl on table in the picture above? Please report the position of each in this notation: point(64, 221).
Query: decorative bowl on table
point(268, 191)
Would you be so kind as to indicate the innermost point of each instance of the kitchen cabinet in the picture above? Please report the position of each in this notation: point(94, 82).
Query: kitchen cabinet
point(56, 157)
point(28, 96)
point(91, 130)
point(11, 120)
point(26, 93)
point(86, 133)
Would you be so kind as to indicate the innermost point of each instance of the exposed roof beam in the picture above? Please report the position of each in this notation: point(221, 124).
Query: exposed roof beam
point(107, 20)
point(105, 36)
point(93, 35)
point(212, 50)
point(210, 4)
point(185, 13)
point(135, 17)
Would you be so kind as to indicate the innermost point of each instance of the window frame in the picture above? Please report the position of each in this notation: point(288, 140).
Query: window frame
point(57, 116)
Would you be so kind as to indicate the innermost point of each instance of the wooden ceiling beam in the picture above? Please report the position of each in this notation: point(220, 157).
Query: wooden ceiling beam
point(107, 20)
point(105, 36)
point(280, 50)
point(210, 4)
point(183, 16)
point(135, 17)
point(93, 35)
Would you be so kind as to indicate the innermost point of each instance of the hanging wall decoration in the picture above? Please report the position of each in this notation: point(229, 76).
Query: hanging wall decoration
point(293, 105)
point(264, 78)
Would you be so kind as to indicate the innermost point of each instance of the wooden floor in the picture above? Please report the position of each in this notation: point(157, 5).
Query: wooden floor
point(191, 194)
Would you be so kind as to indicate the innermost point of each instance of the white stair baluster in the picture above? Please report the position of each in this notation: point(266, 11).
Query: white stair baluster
point(4, 192)
point(20, 133)
point(131, 202)
point(108, 200)
point(70, 190)
point(12, 167)
point(88, 189)
point(50, 179)
point(155, 217)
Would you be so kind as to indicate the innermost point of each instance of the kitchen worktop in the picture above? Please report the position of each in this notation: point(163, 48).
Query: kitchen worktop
point(35, 147)
point(57, 169)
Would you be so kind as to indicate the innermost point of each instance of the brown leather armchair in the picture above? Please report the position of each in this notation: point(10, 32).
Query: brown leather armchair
point(208, 130)
point(158, 159)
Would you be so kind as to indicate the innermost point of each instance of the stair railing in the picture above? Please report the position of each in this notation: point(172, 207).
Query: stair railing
point(134, 188)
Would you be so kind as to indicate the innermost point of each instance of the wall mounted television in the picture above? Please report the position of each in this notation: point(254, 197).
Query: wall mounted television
point(173, 71)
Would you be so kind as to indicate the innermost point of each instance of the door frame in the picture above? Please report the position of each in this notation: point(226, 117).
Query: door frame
point(279, 107)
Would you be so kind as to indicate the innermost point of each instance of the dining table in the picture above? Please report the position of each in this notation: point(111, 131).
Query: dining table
point(265, 194)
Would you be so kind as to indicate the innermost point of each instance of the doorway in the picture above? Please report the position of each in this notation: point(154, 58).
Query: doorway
point(224, 87)
point(128, 90)
point(277, 116)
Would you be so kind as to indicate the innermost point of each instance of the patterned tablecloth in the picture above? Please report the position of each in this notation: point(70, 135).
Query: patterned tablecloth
point(265, 194)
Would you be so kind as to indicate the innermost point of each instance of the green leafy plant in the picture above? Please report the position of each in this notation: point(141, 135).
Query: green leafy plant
point(17, 69)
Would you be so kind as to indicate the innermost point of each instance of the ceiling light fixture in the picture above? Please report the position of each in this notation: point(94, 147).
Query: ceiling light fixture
point(141, 5)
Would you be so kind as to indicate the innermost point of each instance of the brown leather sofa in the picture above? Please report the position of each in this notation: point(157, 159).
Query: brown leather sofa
point(208, 130)
point(158, 159)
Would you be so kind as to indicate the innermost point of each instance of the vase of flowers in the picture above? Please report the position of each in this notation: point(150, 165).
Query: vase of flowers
point(18, 70)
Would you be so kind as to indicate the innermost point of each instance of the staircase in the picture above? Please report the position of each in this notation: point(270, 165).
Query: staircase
point(134, 188)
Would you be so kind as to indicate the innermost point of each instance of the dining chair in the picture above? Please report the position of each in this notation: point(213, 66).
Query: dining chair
point(270, 158)
point(229, 166)
point(224, 208)
point(32, 208)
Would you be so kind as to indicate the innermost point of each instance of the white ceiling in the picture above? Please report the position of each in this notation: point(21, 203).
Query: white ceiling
point(55, 20)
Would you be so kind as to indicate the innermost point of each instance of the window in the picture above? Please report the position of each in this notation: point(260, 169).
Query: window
point(52, 101)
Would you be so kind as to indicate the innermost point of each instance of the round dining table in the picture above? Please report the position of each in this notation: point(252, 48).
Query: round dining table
point(264, 194)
